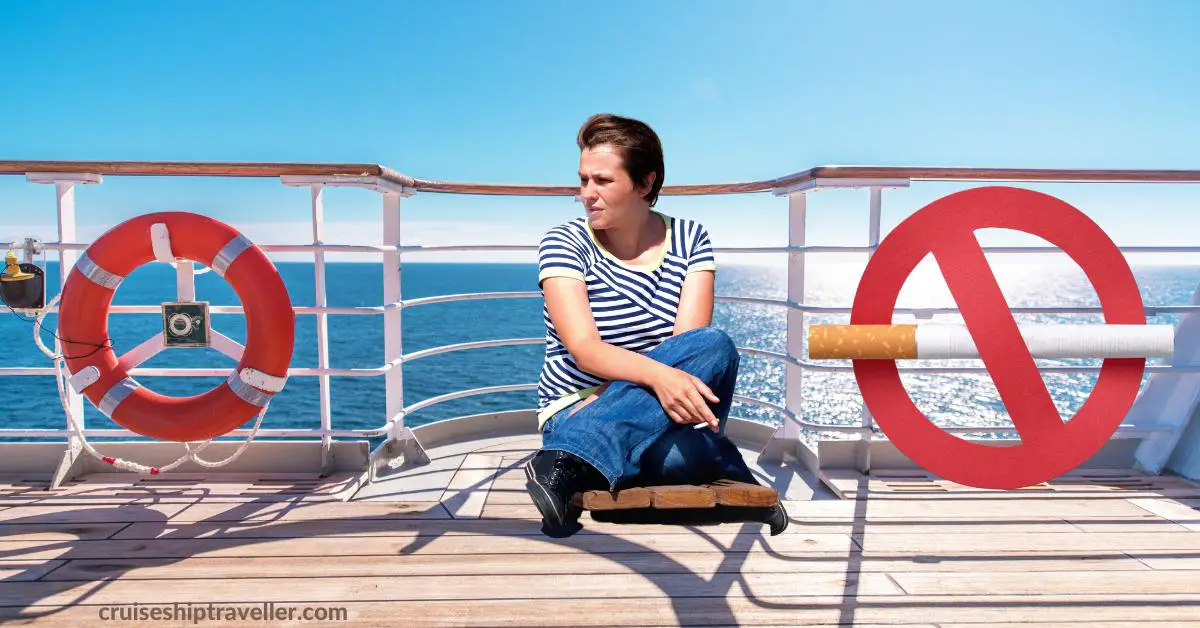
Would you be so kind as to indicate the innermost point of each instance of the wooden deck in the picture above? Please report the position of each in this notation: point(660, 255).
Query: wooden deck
point(1107, 548)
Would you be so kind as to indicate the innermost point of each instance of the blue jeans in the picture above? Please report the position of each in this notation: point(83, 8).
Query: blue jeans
point(628, 437)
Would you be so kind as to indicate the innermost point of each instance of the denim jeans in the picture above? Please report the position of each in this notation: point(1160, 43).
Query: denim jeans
point(628, 437)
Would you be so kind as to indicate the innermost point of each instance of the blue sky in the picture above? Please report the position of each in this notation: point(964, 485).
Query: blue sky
point(494, 92)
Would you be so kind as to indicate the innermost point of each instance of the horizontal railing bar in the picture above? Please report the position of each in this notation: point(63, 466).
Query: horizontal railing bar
point(464, 346)
point(6, 433)
point(858, 429)
point(761, 301)
point(833, 173)
point(495, 189)
point(1151, 310)
point(210, 372)
point(1129, 432)
point(1123, 249)
point(506, 342)
point(814, 248)
point(470, 296)
point(434, 248)
point(237, 309)
point(987, 249)
point(920, 173)
point(770, 354)
point(814, 309)
point(122, 433)
point(272, 248)
point(1150, 368)
point(827, 173)
point(432, 401)
point(326, 248)
point(197, 168)
point(315, 372)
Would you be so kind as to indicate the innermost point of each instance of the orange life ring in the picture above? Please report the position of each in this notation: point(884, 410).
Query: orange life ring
point(270, 327)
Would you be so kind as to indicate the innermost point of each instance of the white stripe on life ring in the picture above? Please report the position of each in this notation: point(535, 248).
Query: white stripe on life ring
point(261, 380)
point(97, 275)
point(246, 392)
point(116, 395)
point(228, 253)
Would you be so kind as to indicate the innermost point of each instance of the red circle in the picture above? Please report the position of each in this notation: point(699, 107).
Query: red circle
point(946, 228)
point(270, 325)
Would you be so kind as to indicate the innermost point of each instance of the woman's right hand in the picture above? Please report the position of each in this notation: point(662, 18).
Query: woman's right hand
point(685, 397)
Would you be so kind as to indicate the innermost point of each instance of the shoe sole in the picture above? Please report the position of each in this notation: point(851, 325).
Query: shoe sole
point(542, 498)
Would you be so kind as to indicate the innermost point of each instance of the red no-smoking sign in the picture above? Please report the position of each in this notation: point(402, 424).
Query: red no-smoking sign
point(1049, 446)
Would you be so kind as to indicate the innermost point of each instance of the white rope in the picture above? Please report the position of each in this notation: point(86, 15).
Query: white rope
point(62, 378)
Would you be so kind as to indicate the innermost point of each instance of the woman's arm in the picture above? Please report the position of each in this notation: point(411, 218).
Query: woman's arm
point(695, 310)
point(567, 304)
point(681, 394)
point(695, 302)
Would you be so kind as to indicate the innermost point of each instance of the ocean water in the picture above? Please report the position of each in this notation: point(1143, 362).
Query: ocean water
point(357, 341)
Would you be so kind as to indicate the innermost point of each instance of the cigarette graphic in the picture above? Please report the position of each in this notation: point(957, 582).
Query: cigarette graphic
point(945, 341)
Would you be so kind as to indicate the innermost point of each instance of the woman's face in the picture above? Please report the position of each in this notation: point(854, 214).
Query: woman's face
point(609, 196)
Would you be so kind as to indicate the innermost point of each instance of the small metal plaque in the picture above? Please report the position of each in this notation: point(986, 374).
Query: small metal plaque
point(185, 324)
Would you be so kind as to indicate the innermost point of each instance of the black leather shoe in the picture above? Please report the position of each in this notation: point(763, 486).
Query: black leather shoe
point(553, 479)
point(777, 518)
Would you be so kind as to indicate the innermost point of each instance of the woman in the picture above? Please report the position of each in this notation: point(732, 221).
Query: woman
point(632, 367)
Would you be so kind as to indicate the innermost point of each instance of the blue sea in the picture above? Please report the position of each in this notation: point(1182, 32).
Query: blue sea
point(357, 341)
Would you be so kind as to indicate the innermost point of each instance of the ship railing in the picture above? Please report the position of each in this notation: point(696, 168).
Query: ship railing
point(392, 187)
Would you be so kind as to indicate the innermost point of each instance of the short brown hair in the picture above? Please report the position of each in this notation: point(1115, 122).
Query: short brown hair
point(636, 143)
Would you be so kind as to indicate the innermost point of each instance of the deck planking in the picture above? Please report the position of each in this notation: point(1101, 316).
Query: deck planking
point(1109, 548)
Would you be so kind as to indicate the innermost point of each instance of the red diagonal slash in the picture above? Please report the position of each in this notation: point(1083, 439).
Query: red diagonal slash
point(946, 229)
point(1000, 345)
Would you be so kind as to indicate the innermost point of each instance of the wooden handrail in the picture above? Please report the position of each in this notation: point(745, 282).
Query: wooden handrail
point(426, 185)
point(829, 173)
point(919, 173)
point(202, 168)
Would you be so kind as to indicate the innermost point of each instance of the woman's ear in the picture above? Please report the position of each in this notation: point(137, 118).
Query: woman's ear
point(647, 185)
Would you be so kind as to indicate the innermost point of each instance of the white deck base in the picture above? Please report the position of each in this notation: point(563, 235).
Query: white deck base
point(448, 443)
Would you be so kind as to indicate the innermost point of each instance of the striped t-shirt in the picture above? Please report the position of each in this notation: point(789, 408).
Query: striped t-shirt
point(634, 306)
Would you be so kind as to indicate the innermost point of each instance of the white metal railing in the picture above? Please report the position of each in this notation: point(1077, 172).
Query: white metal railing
point(391, 251)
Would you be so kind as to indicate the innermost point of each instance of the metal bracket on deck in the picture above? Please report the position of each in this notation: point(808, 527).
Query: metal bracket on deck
point(400, 452)
point(71, 465)
point(780, 448)
point(326, 457)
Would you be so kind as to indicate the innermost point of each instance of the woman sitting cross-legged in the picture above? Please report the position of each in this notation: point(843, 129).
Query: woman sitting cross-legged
point(632, 366)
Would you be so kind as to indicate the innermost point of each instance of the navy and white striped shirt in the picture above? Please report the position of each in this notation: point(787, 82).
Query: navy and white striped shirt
point(634, 305)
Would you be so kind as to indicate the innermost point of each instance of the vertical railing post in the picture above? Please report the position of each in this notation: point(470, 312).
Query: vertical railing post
point(392, 347)
point(401, 443)
point(786, 439)
point(399, 439)
point(863, 447)
point(321, 300)
point(64, 186)
point(66, 261)
point(794, 383)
